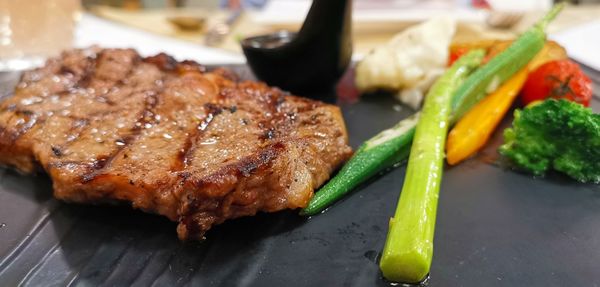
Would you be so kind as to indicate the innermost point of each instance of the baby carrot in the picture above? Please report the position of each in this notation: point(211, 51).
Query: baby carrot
point(475, 128)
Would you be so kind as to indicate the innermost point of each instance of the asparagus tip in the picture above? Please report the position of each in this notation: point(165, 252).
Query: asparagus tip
point(543, 23)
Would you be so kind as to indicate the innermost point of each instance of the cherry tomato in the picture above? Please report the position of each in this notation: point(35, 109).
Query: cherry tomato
point(491, 52)
point(455, 54)
point(560, 79)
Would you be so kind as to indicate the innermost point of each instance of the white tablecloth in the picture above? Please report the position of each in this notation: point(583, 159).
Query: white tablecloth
point(92, 30)
point(582, 43)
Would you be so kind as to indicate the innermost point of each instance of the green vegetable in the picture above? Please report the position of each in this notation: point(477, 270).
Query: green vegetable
point(376, 155)
point(382, 151)
point(408, 249)
point(559, 135)
point(502, 66)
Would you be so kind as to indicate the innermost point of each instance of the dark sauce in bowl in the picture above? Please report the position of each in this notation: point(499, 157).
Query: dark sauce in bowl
point(270, 41)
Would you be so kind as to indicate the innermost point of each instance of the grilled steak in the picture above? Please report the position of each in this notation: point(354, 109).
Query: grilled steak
point(168, 137)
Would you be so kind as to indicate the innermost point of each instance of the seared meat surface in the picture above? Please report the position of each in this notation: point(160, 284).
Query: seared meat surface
point(168, 137)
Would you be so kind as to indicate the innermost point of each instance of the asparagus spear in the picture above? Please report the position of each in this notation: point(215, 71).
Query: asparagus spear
point(393, 144)
point(408, 249)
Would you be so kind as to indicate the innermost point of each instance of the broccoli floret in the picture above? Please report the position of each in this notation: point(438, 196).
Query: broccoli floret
point(556, 134)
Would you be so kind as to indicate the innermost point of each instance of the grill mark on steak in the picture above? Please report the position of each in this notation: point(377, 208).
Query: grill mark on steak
point(79, 124)
point(272, 98)
point(274, 104)
point(190, 144)
point(119, 83)
point(196, 227)
point(82, 125)
point(77, 128)
point(84, 82)
point(29, 121)
point(33, 118)
point(88, 73)
point(275, 101)
point(146, 117)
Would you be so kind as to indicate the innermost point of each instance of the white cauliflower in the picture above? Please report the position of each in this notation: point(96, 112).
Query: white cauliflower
point(410, 62)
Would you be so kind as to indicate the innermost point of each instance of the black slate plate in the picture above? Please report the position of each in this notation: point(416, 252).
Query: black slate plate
point(495, 228)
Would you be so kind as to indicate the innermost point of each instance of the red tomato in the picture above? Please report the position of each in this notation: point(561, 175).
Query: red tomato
point(455, 54)
point(560, 79)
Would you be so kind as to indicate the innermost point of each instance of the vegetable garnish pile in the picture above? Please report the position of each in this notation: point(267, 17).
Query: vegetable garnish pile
point(392, 146)
point(554, 132)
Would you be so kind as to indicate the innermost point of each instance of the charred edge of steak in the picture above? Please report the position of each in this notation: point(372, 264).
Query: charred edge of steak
point(162, 61)
point(167, 63)
point(199, 213)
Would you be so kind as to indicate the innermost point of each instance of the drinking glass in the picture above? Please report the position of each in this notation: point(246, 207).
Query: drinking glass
point(33, 30)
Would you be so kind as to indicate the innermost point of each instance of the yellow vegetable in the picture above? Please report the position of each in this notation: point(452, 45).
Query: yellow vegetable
point(476, 126)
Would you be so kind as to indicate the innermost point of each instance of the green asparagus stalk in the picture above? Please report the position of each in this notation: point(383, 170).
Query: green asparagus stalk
point(408, 249)
point(392, 145)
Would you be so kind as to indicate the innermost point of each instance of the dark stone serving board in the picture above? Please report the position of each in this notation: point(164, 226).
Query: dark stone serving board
point(495, 227)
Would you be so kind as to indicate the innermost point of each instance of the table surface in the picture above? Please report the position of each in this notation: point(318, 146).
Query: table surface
point(366, 34)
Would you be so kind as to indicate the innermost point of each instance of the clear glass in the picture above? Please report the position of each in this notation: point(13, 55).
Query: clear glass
point(32, 30)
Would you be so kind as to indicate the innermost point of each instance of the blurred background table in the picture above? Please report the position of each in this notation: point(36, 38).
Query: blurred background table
point(372, 25)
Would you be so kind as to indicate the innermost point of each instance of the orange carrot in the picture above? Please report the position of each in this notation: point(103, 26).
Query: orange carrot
point(475, 128)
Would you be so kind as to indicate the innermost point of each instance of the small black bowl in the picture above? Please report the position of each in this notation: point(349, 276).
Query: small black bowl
point(311, 60)
point(269, 41)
